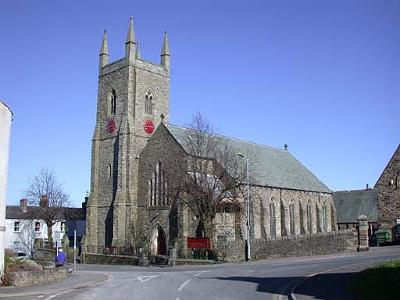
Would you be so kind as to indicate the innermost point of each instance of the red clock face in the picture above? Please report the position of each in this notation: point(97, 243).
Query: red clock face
point(148, 127)
point(111, 126)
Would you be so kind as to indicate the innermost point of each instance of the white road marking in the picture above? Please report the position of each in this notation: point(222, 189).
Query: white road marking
point(146, 278)
point(58, 294)
point(183, 285)
point(198, 274)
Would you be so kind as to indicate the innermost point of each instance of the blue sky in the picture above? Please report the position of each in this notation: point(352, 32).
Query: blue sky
point(321, 76)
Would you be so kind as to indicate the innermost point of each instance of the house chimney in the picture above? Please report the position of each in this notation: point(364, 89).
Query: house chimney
point(367, 187)
point(44, 201)
point(23, 203)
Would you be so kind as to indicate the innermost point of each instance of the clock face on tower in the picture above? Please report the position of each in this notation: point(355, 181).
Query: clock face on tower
point(110, 126)
point(148, 126)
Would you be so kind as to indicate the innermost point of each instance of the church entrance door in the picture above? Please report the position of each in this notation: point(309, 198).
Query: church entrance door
point(159, 244)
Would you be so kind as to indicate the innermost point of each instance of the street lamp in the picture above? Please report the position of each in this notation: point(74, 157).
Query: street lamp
point(248, 244)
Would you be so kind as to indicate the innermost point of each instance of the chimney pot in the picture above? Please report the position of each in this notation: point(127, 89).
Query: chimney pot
point(44, 201)
point(23, 203)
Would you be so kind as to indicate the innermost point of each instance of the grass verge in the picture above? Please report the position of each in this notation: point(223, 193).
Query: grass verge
point(380, 282)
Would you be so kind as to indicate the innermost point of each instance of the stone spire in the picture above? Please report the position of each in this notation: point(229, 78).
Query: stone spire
point(165, 55)
point(130, 45)
point(103, 55)
point(138, 55)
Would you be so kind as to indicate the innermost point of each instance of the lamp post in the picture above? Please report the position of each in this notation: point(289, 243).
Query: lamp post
point(248, 244)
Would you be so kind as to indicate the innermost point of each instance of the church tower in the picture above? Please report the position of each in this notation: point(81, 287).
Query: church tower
point(133, 98)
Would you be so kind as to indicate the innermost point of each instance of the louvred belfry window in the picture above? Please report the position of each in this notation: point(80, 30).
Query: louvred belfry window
point(148, 102)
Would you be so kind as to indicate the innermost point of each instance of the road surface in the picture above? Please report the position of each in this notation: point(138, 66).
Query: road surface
point(318, 277)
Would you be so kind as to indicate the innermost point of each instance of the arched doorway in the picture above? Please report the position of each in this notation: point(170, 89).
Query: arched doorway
point(158, 242)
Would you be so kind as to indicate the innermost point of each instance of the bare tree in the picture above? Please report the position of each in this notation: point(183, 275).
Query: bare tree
point(213, 175)
point(49, 197)
point(27, 236)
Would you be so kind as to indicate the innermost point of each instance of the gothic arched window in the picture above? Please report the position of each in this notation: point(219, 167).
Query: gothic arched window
point(283, 220)
point(109, 171)
point(309, 217)
point(324, 217)
point(148, 102)
point(272, 217)
point(158, 193)
point(112, 102)
point(292, 218)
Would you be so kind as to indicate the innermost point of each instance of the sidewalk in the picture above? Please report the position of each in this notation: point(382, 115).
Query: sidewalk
point(80, 279)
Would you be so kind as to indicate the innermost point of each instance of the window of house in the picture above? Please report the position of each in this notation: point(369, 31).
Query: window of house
point(63, 227)
point(148, 102)
point(17, 226)
point(37, 226)
point(17, 245)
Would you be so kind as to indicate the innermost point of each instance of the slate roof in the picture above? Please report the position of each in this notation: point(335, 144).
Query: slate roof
point(70, 213)
point(351, 204)
point(269, 166)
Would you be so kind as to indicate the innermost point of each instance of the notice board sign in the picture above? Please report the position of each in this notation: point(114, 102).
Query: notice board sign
point(198, 243)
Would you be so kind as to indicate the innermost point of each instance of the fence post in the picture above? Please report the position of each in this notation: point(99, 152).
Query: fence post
point(362, 233)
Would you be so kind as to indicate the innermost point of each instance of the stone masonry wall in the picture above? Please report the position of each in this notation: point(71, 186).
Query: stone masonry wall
point(162, 148)
point(94, 258)
point(112, 207)
point(305, 245)
point(28, 278)
point(262, 197)
point(388, 190)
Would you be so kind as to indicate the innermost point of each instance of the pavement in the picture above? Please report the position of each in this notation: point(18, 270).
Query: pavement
point(78, 280)
point(316, 277)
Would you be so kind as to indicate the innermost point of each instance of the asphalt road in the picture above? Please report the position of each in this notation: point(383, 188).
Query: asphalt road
point(321, 277)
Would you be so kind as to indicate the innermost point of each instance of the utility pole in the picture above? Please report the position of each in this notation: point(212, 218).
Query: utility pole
point(248, 242)
point(74, 251)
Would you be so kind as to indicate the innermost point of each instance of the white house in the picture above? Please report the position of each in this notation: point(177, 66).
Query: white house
point(22, 230)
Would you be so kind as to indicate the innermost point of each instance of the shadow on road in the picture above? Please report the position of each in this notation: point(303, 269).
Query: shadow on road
point(330, 286)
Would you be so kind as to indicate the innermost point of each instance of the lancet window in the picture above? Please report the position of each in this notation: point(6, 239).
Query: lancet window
point(158, 187)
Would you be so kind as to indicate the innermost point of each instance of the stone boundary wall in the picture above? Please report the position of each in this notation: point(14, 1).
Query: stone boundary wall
point(29, 278)
point(109, 259)
point(306, 245)
point(231, 252)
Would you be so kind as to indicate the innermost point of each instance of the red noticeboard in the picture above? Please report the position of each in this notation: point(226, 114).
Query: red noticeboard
point(198, 243)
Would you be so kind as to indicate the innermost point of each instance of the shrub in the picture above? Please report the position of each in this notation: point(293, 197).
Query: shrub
point(14, 265)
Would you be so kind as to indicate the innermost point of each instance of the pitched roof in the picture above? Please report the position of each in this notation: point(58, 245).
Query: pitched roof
point(70, 213)
point(268, 166)
point(351, 204)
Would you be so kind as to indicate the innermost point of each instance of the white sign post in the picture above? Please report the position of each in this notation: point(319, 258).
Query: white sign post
point(74, 251)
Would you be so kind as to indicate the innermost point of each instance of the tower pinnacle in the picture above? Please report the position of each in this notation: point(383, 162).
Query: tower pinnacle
point(104, 44)
point(103, 55)
point(165, 55)
point(138, 55)
point(130, 38)
point(130, 45)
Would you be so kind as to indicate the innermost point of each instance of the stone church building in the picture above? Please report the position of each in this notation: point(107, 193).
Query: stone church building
point(135, 152)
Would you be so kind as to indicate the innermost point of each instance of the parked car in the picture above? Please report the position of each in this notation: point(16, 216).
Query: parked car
point(383, 236)
point(22, 256)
